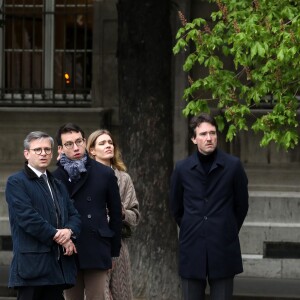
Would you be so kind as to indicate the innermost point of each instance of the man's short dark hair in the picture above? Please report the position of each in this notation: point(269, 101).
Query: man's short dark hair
point(68, 127)
point(197, 120)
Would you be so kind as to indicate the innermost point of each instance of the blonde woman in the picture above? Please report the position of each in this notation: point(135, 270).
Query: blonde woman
point(102, 147)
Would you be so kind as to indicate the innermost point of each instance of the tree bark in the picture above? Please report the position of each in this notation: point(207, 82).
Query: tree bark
point(144, 59)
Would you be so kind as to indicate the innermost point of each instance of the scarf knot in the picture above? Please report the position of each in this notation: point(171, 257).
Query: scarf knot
point(74, 167)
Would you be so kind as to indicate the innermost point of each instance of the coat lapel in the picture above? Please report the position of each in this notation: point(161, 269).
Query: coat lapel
point(78, 185)
point(194, 164)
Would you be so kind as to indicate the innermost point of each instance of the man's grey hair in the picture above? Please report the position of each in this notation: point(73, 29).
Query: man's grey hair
point(37, 135)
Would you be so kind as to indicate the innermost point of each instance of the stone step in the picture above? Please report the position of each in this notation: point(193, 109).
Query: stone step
point(246, 288)
point(4, 226)
point(274, 187)
point(274, 206)
point(7, 170)
point(254, 234)
point(3, 204)
point(274, 178)
point(256, 266)
point(5, 258)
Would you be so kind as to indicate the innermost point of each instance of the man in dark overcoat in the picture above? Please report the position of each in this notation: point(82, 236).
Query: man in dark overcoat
point(43, 222)
point(94, 190)
point(209, 201)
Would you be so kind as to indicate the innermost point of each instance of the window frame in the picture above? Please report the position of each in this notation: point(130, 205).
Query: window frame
point(47, 95)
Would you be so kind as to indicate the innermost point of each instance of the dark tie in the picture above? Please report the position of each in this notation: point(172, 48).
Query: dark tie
point(51, 191)
point(58, 216)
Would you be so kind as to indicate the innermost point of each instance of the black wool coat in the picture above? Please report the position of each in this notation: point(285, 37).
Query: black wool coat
point(96, 196)
point(209, 210)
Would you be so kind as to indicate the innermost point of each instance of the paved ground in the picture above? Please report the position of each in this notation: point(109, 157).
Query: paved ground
point(261, 288)
point(245, 288)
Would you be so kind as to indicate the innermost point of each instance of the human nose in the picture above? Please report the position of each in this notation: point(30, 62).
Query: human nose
point(43, 152)
point(75, 146)
point(209, 136)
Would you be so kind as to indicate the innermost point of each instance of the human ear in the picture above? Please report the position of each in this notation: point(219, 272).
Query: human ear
point(26, 154)
point(60, 149)
point(92, 151)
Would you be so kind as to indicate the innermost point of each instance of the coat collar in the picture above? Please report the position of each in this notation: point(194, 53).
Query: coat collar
point(32, 175)
point(194, 162)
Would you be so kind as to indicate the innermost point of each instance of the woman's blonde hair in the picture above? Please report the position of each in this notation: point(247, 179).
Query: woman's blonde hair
point(116, 161)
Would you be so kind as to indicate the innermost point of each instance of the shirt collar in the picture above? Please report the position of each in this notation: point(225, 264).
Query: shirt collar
point(37, 172)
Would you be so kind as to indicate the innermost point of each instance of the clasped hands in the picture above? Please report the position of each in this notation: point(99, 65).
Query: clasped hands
point(63, 238)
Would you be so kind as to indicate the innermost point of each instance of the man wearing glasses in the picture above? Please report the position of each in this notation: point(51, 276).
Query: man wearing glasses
point(93, 188)
point(42, 219)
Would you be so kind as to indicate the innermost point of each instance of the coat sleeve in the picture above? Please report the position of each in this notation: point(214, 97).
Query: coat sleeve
point(176, 196)
point(129, 200)
point(240, 195)
point(115, 214)
point(24, 214)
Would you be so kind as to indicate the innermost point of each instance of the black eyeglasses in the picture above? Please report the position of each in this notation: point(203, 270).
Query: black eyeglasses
point(39, 151)
point(70, 145)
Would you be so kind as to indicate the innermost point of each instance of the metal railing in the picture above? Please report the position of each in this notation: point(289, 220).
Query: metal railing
point(46, 52)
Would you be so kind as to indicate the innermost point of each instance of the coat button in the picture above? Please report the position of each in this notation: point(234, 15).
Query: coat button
point(89, 216)
point(205, 217)
point(89, 199)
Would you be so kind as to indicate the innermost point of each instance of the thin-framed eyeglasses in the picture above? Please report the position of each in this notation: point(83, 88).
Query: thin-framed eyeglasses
point(70, 145)
point(39, 151)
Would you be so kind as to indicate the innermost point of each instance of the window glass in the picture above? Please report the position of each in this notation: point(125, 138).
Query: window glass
point(47, 50)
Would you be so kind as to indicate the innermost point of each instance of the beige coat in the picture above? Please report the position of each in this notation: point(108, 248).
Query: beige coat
point(128, 198)
point(119, 282)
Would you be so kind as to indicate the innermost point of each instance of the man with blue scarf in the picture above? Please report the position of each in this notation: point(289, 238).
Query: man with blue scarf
point(94, 190)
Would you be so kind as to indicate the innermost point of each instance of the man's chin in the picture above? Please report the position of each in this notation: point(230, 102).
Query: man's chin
point(209, 150)
point(76, 157)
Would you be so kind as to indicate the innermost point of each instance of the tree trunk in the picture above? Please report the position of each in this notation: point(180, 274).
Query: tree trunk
point(144, 59)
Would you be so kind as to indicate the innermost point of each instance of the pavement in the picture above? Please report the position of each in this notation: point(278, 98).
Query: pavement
point(266, 288)
point(244, 288)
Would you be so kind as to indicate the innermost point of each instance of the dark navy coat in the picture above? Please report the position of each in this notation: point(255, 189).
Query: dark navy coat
point(33, 225)
point(95, 194)
point(210, 210)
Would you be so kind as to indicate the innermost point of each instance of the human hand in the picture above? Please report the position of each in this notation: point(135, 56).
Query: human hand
point(62, 236)
point(69, 248)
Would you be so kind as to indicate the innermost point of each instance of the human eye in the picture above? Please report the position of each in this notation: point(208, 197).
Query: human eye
point(79, 141)
point(69, 144)
point(101, 143)
point(212, 132)
point(37, 150)
point(202, 134)
point(47, 150)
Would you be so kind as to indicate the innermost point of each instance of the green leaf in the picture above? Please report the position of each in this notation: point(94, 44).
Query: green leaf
point(247, 59)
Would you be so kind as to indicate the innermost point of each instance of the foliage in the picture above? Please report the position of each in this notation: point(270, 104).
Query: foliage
point(262, 40)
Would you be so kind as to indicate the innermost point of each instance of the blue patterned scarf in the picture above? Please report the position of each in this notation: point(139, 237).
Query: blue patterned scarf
point(73, 167)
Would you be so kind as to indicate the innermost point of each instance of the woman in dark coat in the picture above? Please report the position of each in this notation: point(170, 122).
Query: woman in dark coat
point(103, 148)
